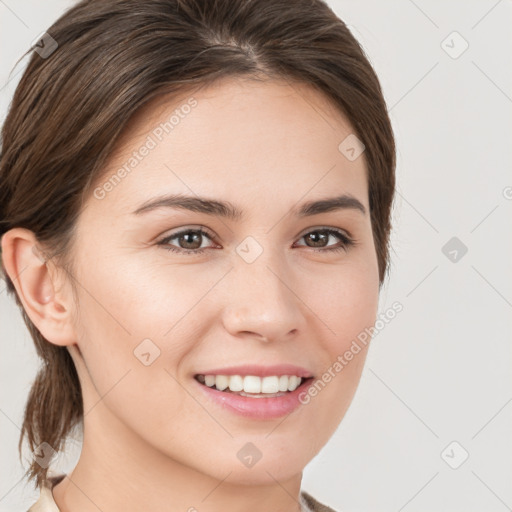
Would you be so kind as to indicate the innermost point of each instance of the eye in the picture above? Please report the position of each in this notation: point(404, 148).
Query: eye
point(320, 237)
point(190, 240)
point(190, 237)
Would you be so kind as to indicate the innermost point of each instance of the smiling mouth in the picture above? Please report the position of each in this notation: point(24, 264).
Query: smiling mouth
point(253, 386)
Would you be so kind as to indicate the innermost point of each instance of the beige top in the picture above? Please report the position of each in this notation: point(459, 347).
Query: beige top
point(46, 503)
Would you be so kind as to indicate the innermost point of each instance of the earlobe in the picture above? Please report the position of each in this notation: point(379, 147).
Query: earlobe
point(31, 275)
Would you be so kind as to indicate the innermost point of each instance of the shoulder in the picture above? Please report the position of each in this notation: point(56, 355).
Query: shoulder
point(310, 504)
point(45, 502)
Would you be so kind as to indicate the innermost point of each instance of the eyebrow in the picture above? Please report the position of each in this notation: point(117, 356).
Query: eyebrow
point(229, 211)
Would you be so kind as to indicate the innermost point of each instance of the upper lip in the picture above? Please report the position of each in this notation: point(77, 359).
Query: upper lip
point(260, 371)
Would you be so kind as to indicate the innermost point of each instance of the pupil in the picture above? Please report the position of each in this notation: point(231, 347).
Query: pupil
point(191, 235)
point(317, 235)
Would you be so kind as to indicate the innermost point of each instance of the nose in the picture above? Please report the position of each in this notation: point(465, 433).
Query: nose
point(261, 303)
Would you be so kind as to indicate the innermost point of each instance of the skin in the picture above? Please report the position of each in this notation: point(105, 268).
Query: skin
point(152, 441)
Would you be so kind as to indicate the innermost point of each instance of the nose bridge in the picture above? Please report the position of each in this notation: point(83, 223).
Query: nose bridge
point(260, 299)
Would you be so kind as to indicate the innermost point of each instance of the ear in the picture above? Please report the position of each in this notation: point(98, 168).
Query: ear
point(35, 280)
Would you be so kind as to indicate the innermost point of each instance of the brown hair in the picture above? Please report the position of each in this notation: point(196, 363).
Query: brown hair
point(113, 56)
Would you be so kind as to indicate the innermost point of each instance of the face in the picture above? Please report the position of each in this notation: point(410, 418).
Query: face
point(169, 293)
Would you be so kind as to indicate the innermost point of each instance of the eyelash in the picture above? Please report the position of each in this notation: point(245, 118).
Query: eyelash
point(347, 242)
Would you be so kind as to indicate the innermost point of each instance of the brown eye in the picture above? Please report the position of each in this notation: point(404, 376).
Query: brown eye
point(319, 239)
point(189, 240)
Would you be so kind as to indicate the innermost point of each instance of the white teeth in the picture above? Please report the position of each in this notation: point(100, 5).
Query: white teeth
point(221, 382)
point(293, 382)
point(252, 383)
point(283, 383)
point(236, 383)
point(270, 384)
point(209, 380)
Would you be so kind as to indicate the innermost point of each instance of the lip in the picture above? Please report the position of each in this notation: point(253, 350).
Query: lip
point(260, 371)
point(257, 408)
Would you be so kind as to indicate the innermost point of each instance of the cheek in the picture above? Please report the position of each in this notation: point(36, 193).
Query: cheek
point(132, 300)
point(345, 300)
point(348, 307)
point(131, 366)
point(135, 323)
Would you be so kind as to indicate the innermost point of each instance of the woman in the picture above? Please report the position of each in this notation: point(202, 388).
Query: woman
point(195, 213)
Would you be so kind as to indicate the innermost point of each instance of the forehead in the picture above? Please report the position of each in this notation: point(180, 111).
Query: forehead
point(239, 139)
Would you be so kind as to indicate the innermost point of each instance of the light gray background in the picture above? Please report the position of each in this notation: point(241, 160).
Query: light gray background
point(441, 370)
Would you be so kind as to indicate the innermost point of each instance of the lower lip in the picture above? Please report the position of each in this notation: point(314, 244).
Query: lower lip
point(258, 408)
